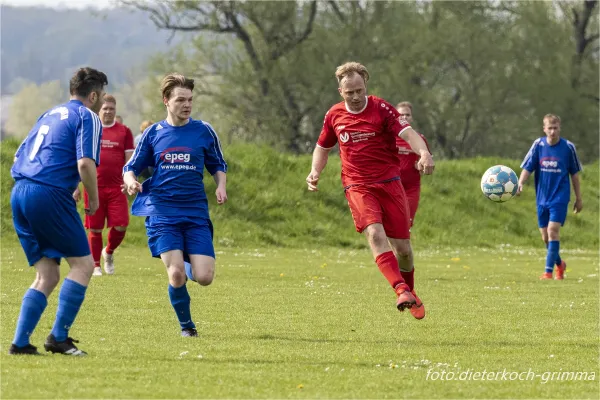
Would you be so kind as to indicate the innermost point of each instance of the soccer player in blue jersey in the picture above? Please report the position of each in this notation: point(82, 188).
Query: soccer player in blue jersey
point(173, 200)
point(62, 148)
point(553, 159)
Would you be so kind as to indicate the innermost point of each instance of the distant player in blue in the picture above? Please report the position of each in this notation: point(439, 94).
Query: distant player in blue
point(62, 148)
point(173, 200)
point(553, 159)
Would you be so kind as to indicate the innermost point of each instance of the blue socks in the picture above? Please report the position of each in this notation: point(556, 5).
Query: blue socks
point(33, 305)
point(552, 257)
point(69, 301)
point(180, 300)
point(558, 259)
point(188, 270)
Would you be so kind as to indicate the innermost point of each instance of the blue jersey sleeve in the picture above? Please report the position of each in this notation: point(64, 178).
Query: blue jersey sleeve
point(531, 160)
point(574, 163)
point(142, 157)
point(214, 161)
point(89, 135)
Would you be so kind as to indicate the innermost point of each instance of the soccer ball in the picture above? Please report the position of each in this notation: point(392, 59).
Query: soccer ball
point(499, 183)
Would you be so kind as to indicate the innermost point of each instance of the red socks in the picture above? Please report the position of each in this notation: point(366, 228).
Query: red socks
point(115, 238)
point(95, 241)
point(388, 265)
point(409, 278)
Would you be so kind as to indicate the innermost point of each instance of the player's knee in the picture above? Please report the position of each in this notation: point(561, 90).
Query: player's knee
point(553, 233)
point(48, 281)
point(177, 276)
point(204, 279)
point(376, 238)
point(121, 228)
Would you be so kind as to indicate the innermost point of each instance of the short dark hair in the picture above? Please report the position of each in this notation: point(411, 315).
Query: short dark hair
point(172, 81)
point(87, 80)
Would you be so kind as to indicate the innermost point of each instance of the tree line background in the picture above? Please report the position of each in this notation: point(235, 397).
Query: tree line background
point(480, 74)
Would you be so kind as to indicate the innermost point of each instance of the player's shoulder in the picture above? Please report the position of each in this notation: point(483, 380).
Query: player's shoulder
point(337, 108)
point(568, 143)
point(201, 125)
point(539, 142)
point(155, 128)
point(380, 103)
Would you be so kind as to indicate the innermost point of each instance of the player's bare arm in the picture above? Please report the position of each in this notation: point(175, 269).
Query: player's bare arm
point(418, 145)
point(319, 161)
point(131, 183)
point(578, 205)
point(87, 172)
point(128, 154)
point(522, 179)
point(220, 178)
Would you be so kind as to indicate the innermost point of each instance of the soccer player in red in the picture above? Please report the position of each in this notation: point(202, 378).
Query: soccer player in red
point(116, 149)
point(409, 173)
point(366, 127)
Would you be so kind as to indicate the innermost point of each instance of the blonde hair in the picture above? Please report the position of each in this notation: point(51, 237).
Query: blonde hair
point(406, 104)
point(172, 81)
point(144, 125)
point(349, 69)
point(551, 118)
point(109, 98)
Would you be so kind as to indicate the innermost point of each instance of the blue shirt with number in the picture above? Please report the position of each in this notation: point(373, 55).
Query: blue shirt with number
point(552, 165)
point(61, 136)
point(178, 155)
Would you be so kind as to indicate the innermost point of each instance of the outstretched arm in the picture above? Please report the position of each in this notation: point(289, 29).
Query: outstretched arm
point(319, 161)
point(419, 146)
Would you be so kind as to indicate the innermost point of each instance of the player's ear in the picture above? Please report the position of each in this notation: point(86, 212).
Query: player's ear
point(340, 91)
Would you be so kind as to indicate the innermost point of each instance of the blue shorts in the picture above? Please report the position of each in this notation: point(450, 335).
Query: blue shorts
point(190, 235)
point(552, 213)
point(47, 222)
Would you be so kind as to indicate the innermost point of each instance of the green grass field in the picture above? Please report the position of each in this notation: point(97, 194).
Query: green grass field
point(319, 323)
point(298, 308)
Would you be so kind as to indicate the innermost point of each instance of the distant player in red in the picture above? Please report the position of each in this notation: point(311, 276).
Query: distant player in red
point(409, 172)
point(366, 127)
point(116, 149)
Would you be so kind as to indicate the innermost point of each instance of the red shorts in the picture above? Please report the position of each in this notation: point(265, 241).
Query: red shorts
point(380, 203)
point(413, 193)
point(114, 209)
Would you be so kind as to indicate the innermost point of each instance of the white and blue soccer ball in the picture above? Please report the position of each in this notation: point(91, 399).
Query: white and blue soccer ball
point(499, 183)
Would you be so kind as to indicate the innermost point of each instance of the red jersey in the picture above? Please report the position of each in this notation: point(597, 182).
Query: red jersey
point(367, 140)
point(116, 139)
point(408, 160)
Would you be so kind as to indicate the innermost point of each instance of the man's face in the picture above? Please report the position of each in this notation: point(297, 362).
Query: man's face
point(107, 113)
point(180, 103)
point(405, 114)
point(354, 91)
point(552, 130)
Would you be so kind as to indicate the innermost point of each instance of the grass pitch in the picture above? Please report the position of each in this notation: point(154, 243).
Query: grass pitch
point(320, 323)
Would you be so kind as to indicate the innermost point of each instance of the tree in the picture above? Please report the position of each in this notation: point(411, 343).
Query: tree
point(481, 74)
point(29, 104)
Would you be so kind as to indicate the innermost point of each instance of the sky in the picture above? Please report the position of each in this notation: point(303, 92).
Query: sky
point(60, 3)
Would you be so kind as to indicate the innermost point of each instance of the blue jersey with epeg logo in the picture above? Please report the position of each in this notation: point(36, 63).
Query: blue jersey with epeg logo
point(178, 155)
point(552, 165)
